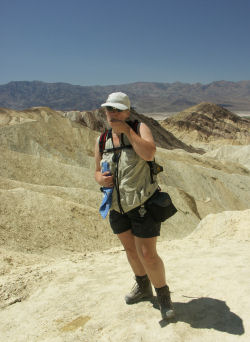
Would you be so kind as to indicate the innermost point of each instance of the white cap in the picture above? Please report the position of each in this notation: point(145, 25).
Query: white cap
point(117, 100)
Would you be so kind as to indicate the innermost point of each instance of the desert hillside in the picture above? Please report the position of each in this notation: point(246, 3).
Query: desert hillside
point(96, 120)
point(50, 199)
point(207, 125)
point(63, 270)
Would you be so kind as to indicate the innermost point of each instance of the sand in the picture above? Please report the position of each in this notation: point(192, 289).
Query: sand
point(80, 297)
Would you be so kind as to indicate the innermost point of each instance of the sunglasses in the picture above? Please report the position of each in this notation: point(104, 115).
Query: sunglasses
point(113, 109)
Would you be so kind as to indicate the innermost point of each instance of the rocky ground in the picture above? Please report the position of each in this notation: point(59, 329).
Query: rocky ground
point(80, 297)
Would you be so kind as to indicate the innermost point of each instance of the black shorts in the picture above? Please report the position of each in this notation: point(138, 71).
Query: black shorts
point(144, 227)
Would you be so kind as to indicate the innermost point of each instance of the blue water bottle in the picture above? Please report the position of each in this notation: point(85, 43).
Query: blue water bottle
point(105, 167)
point(107, 194)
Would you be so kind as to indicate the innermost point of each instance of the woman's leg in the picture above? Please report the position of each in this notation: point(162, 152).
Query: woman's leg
point(152, 263)
point(142, 289)
point(146, 249)
point(128, 241)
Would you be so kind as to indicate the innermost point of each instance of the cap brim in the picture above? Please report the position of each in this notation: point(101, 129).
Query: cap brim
point(115, 105)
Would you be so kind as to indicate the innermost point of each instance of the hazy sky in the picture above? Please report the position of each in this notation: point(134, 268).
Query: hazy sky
point(103, 42)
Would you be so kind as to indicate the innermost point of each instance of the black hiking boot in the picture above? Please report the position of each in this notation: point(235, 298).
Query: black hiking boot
point(165, 303)
point(141, 290)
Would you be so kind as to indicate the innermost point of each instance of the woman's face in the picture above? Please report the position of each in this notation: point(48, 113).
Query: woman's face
point(113, 113)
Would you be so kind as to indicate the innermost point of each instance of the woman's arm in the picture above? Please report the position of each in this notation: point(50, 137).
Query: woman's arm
point(143, 143)
point(104, 179)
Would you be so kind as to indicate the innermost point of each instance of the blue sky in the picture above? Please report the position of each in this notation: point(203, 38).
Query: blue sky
point(104, 42)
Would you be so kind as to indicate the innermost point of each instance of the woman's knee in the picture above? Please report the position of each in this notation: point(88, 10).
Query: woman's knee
point(131, 251)
point(148, 257)
point(128, 242)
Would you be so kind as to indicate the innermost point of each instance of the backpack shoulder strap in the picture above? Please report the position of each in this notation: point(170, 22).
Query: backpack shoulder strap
point(134, 125)
point(103, 138)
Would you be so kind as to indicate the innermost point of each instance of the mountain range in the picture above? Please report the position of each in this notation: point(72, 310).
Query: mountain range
point(146, 97)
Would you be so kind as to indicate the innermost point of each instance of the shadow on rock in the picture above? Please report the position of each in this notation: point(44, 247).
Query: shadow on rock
point(206, 313)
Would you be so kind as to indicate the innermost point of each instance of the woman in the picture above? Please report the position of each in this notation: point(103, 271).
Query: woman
point(127, 153)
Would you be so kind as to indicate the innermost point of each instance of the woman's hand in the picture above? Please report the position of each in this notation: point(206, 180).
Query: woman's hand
point(106, 179)
point(119, 126)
